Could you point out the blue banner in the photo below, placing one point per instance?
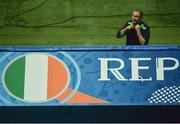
(89, 76)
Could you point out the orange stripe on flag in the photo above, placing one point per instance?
(80, 97)
(57, 77)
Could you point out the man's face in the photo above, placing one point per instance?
(136, 17)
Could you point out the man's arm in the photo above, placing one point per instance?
(124, 30)
(140, 35)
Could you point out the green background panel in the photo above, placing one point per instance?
(84, 22)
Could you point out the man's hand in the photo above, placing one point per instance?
(137, 27)
(129, 27)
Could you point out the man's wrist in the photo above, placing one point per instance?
(138, 33)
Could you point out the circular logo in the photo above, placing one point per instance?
(36, 77)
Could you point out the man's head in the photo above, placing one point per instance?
(137, 16)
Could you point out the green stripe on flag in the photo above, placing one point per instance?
(14, 77)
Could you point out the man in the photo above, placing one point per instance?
(136, 31)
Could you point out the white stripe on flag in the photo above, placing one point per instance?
(36, 74)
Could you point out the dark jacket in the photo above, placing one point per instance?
(132, 38)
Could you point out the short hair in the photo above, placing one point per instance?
(140, 11)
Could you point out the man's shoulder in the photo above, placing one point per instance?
(129, 22)
(143, 24)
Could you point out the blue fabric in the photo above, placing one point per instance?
(85, 48)
(85, 63)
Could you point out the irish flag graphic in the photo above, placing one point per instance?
(36, 77)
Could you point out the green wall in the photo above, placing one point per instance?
(84, 22)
